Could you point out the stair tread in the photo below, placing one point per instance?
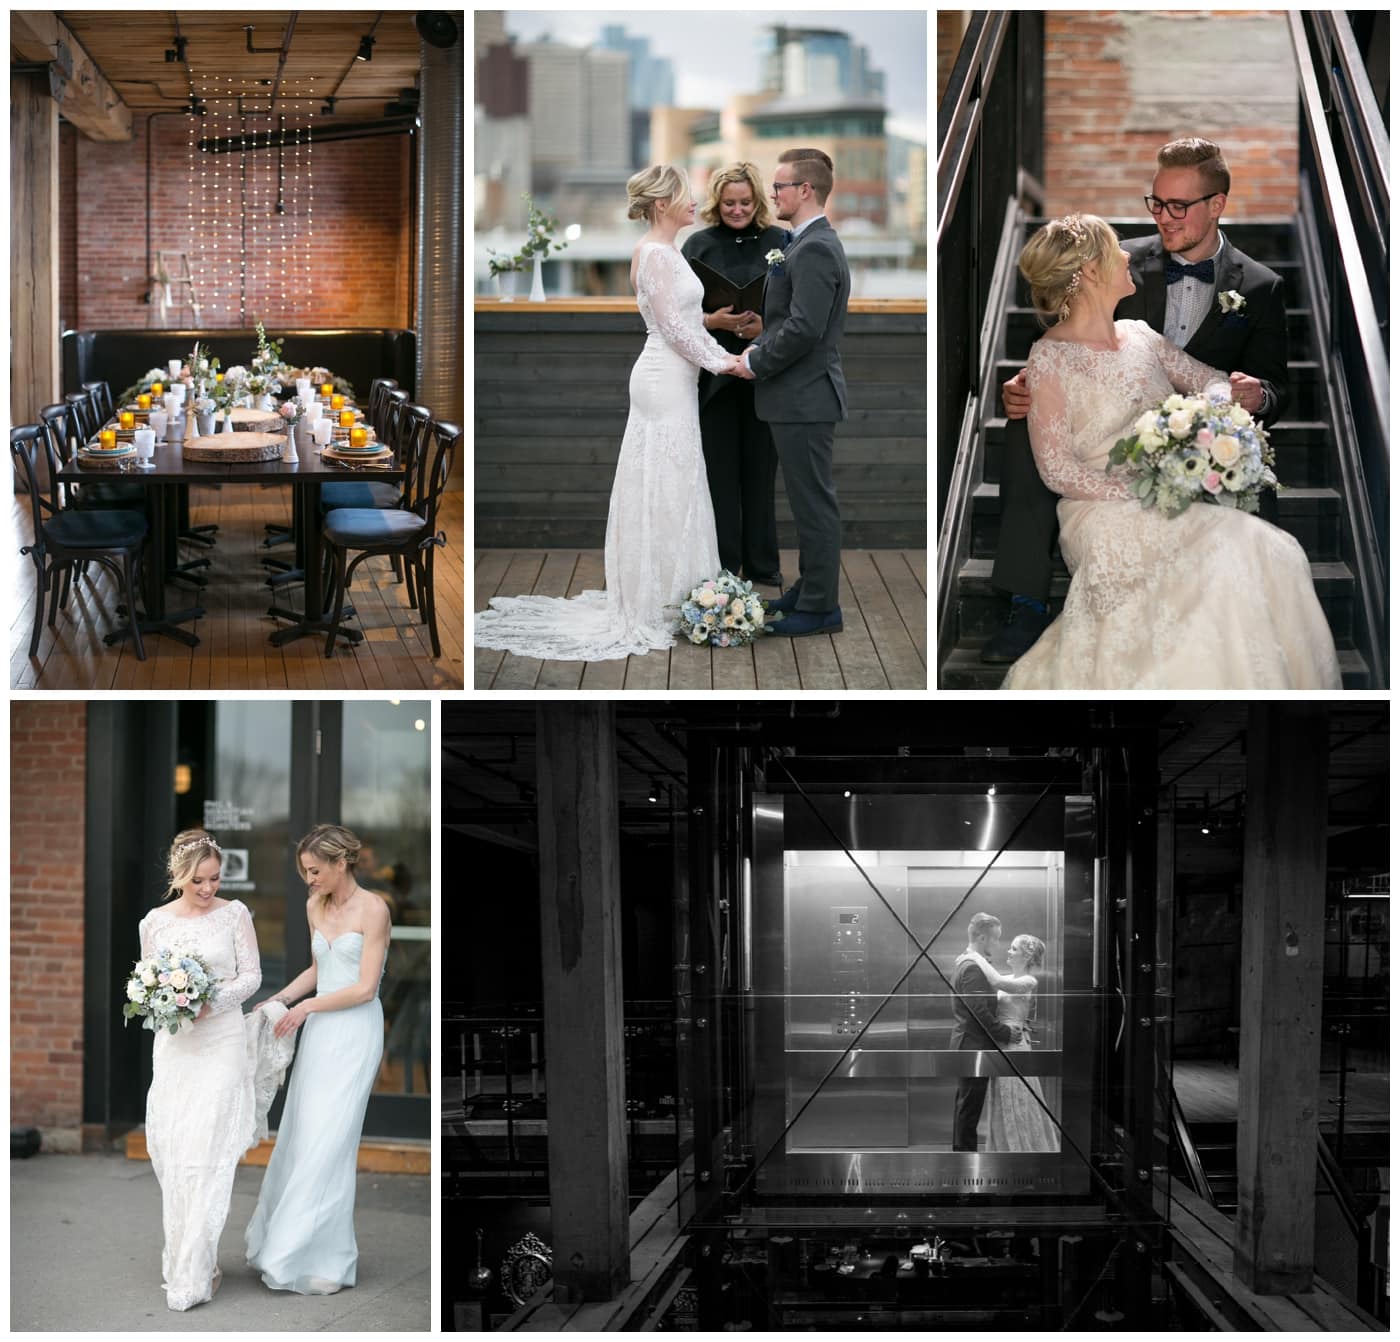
(990, 489)
(978, 572)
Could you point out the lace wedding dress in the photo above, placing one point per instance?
(302, 1235)
(1214, 599)
(661, 525)
(201, 1110)
(1011, 1119)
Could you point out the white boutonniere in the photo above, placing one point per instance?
(775, 257)
(1231, 301)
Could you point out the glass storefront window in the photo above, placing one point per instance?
(386, 800)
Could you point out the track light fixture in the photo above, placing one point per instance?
(177, 56)
(654, 792)
(366, 51)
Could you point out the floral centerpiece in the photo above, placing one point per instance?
(167, 991)
(539, 242)
(724, 612)
(233, 390)
(319, 377)
(1196, 449)
(263, 377)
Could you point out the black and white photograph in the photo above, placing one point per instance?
(841, 1016)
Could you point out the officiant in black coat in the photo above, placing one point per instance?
(740, 459)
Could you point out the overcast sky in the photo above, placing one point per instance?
(712, 50)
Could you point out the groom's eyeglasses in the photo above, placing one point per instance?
(1176, 208)
(782, 186)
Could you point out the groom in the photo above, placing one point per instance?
(801, 390)
(975, 1024)
(1188, 277)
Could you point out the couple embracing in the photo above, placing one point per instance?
(1214, 597)
(661, 540)
(215, 1077)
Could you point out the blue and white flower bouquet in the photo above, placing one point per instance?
(1196, 449)
(167, 991)
(724, 612)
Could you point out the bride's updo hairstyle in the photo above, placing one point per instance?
(1034, 948)
(330, 843)
(1052, 261)
(658, 185)
(187, 850)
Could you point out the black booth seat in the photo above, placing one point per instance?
(123, 357)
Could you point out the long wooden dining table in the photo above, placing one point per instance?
(162, 482)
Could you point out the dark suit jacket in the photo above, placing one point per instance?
(797, 359)
(1253, 341)
(975, 1022)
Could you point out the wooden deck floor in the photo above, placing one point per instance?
(234, 652)
(882, 647)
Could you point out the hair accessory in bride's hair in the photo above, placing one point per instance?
(1070, 291)
(1074, 226)
(208, 841)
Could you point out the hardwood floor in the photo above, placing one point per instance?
(882, 647)
(234, 652)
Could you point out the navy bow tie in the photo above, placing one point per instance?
(1200, 270)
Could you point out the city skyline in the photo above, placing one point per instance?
(714, 53)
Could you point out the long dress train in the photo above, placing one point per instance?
(302, 1235)
(201, 1112)
(1214, 599)
(661, 524)
(1011, 1119)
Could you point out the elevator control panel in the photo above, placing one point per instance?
(850, 936)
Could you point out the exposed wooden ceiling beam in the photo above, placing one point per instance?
(83, 94)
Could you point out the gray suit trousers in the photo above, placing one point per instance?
(805, 452)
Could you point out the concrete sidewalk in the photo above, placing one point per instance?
(85, 1243)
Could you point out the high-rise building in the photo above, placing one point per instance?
(578, 111)
(817, 63)
(651, 83)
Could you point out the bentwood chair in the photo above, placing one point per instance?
(103, 393)
(378, 390)
(409, 533)
(413, 433)
(64, 537)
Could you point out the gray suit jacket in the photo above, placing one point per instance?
(797, 359)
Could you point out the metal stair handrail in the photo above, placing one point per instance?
(961, 122)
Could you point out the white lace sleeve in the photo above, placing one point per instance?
(1185, 373)
(1048, 423)
(680, 322)
(148, 945)
(234, 992)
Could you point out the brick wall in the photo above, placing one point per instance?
(1121, 83)
(355, 272)
(67, 229)
(48, 762)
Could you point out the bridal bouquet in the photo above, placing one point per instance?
(1196, 449)
(167, 991)
(724, 612)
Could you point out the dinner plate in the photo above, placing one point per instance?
(91, 450)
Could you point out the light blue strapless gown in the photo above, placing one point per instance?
(302, 1235)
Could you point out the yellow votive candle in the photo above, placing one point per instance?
(337, 401)
(108, 439)
(144, 400)
(326, 388)
(347, 418)
(157, 388)
(127, 419)
(359, 436)
(218, 377)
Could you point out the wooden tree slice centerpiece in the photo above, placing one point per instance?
(240, 445)
(256, 421)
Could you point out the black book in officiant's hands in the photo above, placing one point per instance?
(722, 292)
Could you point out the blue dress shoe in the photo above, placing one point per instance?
(1023, 626)
(801, 623)
(785, 604)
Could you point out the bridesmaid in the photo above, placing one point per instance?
(302, 1235)
(739, 453)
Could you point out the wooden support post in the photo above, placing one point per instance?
(581, 945)
(1285, 871)
(34, 345)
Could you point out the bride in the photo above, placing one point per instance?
(661, 526)
(1213, 599)
(302, 1235)
(201, 1114)
(1011, 1118)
